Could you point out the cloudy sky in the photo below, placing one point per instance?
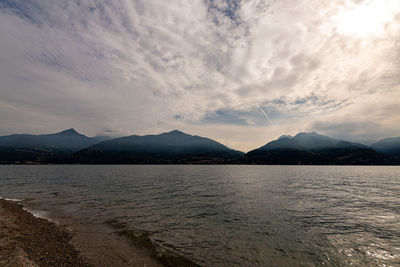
(241, 72)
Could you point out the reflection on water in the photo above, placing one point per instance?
(233, 215)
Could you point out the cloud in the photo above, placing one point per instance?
(368, 119)
(143, 66)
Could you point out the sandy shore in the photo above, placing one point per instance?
(29, 241)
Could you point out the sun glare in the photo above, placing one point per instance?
(366, 19)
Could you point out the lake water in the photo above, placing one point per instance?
(233, 215)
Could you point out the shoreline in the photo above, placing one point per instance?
(30, 240)
(26, 240)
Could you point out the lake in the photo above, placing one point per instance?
(232, 215)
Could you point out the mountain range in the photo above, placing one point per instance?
(166, 148)
(389, 146)
(176, 147)
(45, 148)
(315, 149)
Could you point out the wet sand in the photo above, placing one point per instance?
(29, 241)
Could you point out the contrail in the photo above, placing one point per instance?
(266, 116)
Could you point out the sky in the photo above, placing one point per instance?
(240, 72)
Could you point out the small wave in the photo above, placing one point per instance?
(40, 214)
(36, 213)
(12, 199)
(143, 239)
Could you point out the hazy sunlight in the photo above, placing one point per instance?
(366, 19)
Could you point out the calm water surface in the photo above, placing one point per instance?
(233, 215)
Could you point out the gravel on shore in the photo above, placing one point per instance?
(26, 240)
(29, 241)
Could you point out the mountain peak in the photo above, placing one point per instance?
(307, 134)
(70, 131)
(302, 141)
(176, 132)
(285, 136)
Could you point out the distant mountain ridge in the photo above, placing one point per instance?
(170, 147)
(176, 147)
(308, 141)
(389, 146)
(67, 141)
(316, 149)
(44, 148)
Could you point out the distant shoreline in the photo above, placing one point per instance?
(185, 164)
